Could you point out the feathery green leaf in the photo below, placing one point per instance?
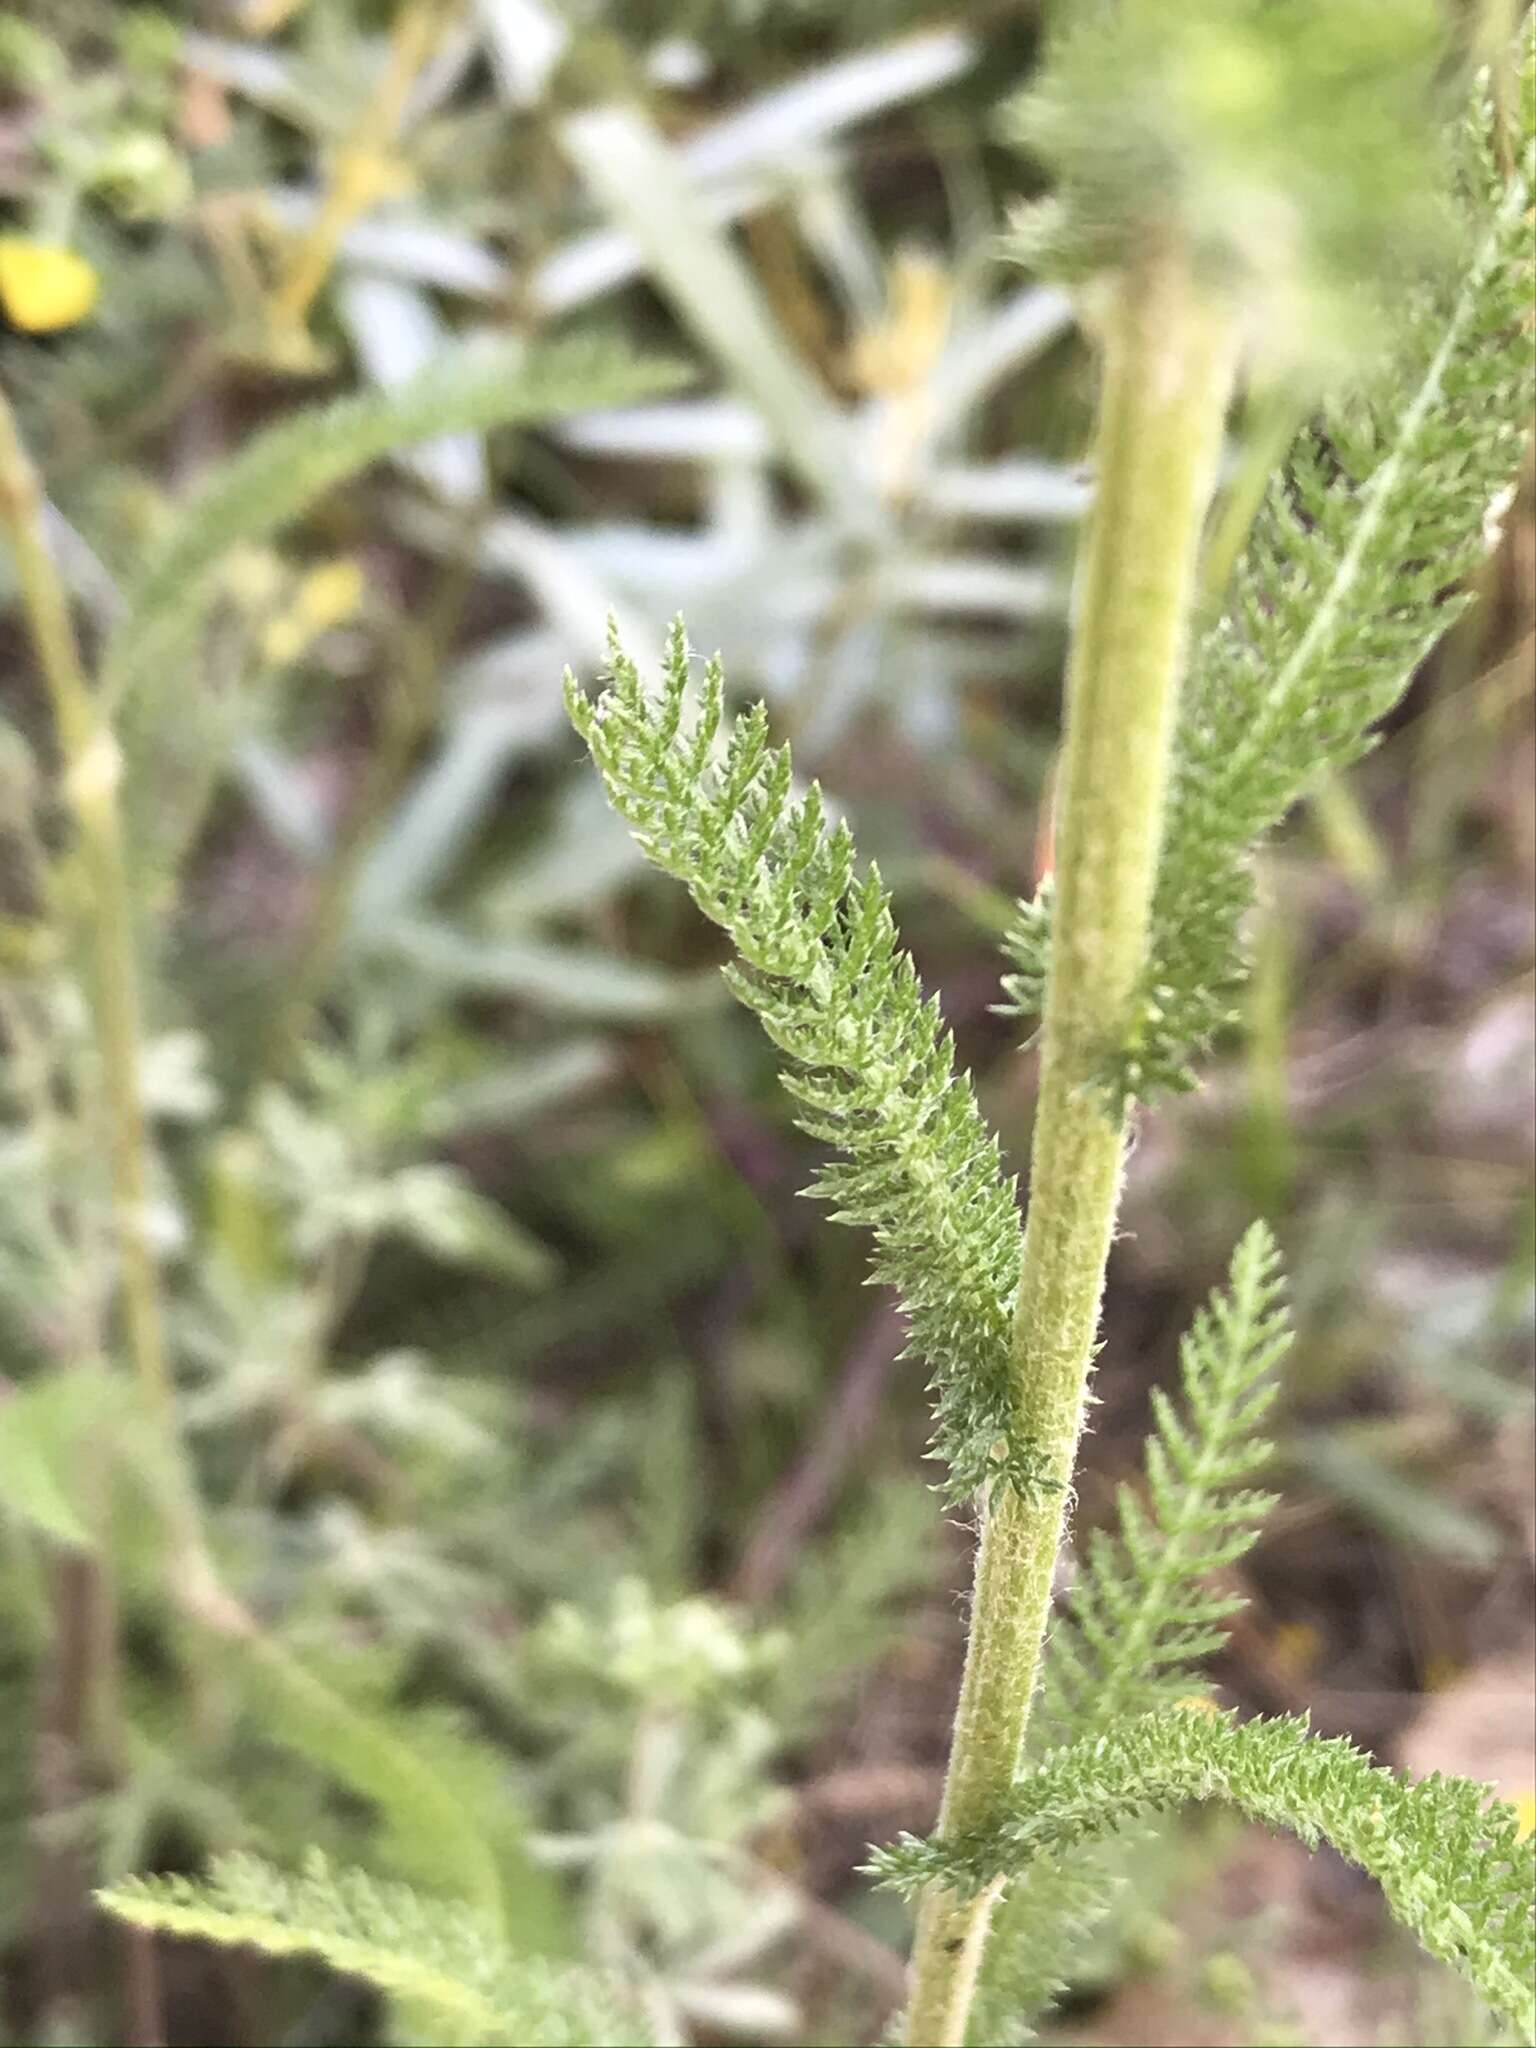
(282, 472)
(1445, 1853)
(1143, 1613)
(1336, 601)
(451, 1979)
(872, 1064)
(433, 1835)
(1041, 1927)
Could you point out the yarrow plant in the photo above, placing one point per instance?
(1223, 173)
(1175, 762)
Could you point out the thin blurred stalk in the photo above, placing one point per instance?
(91, 763)
(92, 767)
(1276, 419)
(1348, 836)
(355, 172)
(1449, 750)
(85, 1638)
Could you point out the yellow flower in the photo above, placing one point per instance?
(362, 177)
(897, 355)
(1525, 1814)
(330, 594)
(44, 287)
(324, 598)
(284, 640)
(1195, 1704)
(1297, 1648)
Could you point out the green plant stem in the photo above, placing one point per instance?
(1276, 423)
(92, 766)
(1168, 366)
(91, 770)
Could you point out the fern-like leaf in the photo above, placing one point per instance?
(1337, 600)
(474, 386)
(450, 1980)
(1046, 1922)
(1143, 1612)
(872, 1064)
(1447, 1856)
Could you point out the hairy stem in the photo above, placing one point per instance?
(1168, 362)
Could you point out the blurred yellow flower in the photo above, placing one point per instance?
(1440, 1672)
(1297, 1647)
(365, 176)
(43, 286)
(326, 597)
(1194, 1703)
(897, 354)
(284, 640)
(265, 17)
(331, 593)
(1525, 1814)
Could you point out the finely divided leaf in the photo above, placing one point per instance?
(1143, 1612)
(283, 471)
(1339, 597)
(872, 1065)
(453, 1982)
(1446, 1854)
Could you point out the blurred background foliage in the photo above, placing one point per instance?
(532, 1408)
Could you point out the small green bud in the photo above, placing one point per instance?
(1152, 1942)
(141, 177)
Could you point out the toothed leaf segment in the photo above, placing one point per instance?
(1388, 501)
(1146, 1609)
(871, 1063)
(1447, 1856)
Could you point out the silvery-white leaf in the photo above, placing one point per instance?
(525, 40)
(988, 350)
(973, 583)
(638, 178)
(689, 429)
(751, 2010)
(396, 332)
(825, 100)
(1020, 490)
